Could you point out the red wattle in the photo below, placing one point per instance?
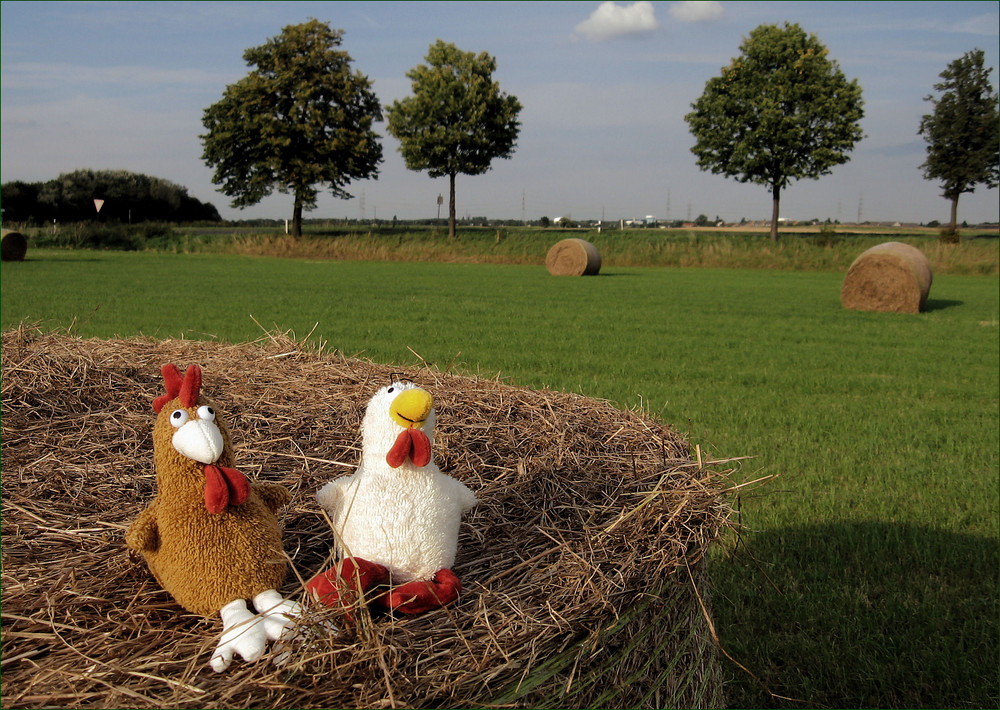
(238, 484)
(216, 490)
(222, 486)
(411, 443)
(420, 453)
(400, 450)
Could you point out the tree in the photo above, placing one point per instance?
(962, 133)
(128, 198)
(457, 120)
(299, 119)
(781, 111)
(20, 201)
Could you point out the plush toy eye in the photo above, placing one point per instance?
(179, 418)
(206, 413)
(391, 390)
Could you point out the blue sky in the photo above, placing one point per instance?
(605, 87)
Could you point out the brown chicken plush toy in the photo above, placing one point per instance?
(211, 537)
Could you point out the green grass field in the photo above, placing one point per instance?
(868, 574)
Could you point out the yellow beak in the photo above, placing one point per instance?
(411, 408)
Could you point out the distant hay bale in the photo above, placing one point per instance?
(892, 277)
(13, 245)
(583, 566)
(573, 257)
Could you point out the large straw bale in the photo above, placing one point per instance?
(13, 245)
(892, 277)
(573, 257)
(583, 565)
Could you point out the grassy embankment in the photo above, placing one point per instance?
(868, 575)
(804, 249)
(827, 248)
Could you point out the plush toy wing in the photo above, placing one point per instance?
(273, 495)
(143, 535)
(461, 492)
(331, 496)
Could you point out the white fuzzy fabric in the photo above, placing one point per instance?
(404, 518)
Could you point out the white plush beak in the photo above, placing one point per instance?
(199, 440)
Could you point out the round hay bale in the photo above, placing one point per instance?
(892, 277)
(573, 257)
(583, 567)
(13, 246)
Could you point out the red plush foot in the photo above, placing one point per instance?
(424, 595)
(352, 574)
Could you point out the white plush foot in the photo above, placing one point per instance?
(279, 614)
(242, 633)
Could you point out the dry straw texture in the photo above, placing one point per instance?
(573, 257)
(892, 277)
(13, 245)
(583, 565)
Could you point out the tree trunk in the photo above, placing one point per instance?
(451, 206)
(954, 213)
(776, 193)
(297, 218)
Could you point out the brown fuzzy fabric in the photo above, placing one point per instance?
(207, 560)
(583, 565)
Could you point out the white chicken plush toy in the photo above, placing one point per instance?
(396, 519)
(211, 537)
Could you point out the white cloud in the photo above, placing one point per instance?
(696, 11)
(612, 20)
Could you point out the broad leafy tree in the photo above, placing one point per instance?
(781, 111)
(963, 132)
(457, 120)
(127, 198)
(301, 118)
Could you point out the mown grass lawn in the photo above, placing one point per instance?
(868, 573)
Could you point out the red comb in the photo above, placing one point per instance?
(187, 387)
(191, 387)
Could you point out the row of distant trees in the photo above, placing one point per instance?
(122, 196)
(303, 118)
(780, 111)
(783, 111)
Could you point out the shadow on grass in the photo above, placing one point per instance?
(860, 615)
(939, 304)
(48, 259)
